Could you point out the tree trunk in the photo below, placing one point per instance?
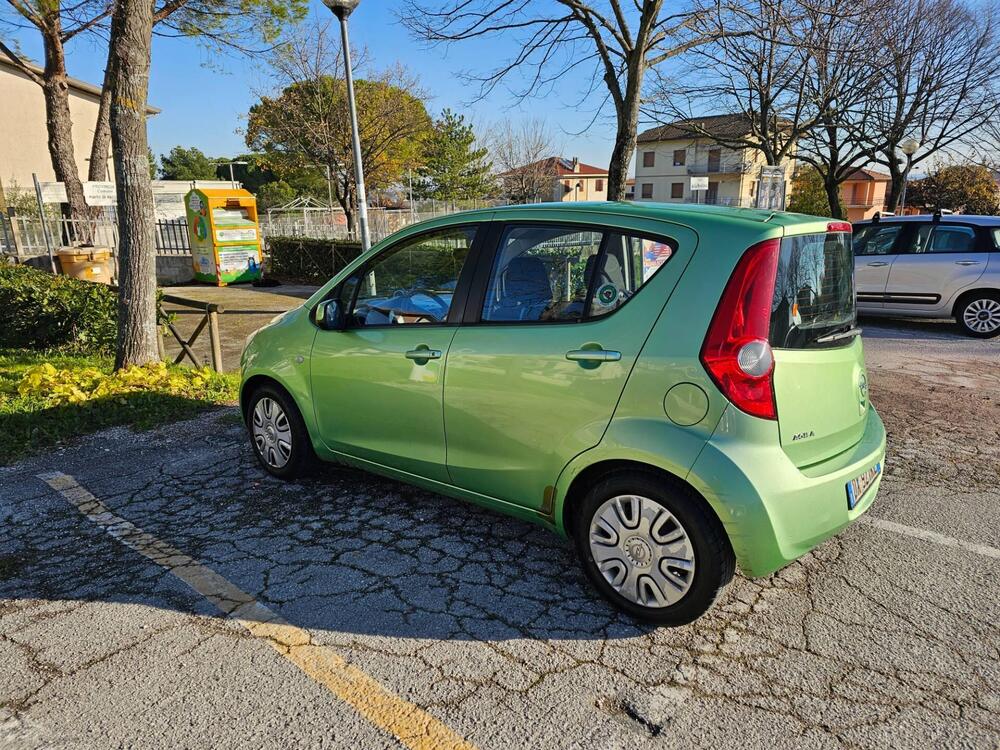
(101, 145)
(59, 123)
(833, 196)
(130, 47)
(895, 185)
(625, 134)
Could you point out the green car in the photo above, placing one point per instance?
(677, 388)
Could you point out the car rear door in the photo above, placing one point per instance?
(875, 247)
(553, 327)
(936, 261)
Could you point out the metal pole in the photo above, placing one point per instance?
(906, 179)
(232, 178)
(41, 216)
(359, 172)
(329, 189)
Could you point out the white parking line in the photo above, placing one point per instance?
(931, 536)
(407, 722)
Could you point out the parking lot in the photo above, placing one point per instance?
(160, 590)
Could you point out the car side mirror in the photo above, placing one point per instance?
(327, 315)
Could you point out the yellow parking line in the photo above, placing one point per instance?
(408, 723)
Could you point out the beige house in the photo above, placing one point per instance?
(23, 138)
(556, 178)
(669, 157)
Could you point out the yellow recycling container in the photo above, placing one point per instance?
(88, 263)
(224, 235)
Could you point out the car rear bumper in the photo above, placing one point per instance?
(774, 511)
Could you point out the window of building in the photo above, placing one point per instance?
(648, 158)
(647, 190)
(680, 157)
(676, 189)
(599, 185)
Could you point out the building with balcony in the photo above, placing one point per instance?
(863, 193)
(669, 156)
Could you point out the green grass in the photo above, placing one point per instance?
(32, 422)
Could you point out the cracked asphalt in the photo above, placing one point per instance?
(874, 640)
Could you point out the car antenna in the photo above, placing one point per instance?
(877, 217)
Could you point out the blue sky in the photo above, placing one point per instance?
(204, 97)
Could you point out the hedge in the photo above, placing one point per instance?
(306, 259)
(42, 311)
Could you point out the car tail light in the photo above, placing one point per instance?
(736, 352)
(838, 226)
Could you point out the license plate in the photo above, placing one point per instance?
(858, 486)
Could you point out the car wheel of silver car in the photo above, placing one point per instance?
(979, 315)
(277, 432)
(654, 549)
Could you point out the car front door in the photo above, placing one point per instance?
(377, 381)
(936, 261)
(874, 253)
(552, 332)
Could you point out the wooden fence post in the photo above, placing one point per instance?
(213, 336)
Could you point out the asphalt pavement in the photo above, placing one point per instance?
(159, 590)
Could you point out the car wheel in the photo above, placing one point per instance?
(654, 550)
(979, 315)
(278, 434)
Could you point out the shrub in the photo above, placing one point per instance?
(42, 311)
(307, 259)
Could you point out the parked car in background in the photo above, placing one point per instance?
(931, 266)
(677, 388)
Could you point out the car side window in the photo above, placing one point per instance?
(876, 240)
(412, 282)
(942, 238)
(626, 264)
(563, 274)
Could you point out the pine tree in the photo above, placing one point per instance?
(453, 168)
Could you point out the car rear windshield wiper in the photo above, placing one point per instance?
(837, 335)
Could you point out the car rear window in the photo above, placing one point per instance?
(813, 290)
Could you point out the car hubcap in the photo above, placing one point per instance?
(982, 315)
(642, 551)
(271, 433)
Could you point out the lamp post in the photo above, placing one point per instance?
(232, 177)
(909, 148)
(342, 9)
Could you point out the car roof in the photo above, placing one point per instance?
(681, 213)
(983, 221)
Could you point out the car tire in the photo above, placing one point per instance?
(278, 435)
(979, 315)
(652, 548)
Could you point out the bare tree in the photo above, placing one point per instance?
(936, 81)
(524, 156)
(754, 69)
(839, 85)
(131, 47)
(555, 37)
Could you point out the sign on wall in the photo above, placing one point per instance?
(699, 183)
(100, 193)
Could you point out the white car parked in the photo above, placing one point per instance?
(931, 267)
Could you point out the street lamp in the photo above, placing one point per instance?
(232, 178)
(909, 147)
(342, 9)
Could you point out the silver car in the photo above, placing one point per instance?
(931, 267)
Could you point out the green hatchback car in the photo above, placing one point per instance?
(677, 388)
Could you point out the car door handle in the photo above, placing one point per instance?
(593, 355)
(966, 262)
(423, 354)
(878, 264)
